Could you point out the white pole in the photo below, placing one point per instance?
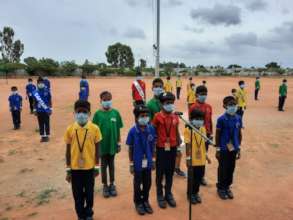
(157, 70)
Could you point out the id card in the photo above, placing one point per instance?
(167, 145)
(198, 155)
(81, 162)
(144, 163)
(230, 146)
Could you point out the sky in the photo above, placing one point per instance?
(207, 32)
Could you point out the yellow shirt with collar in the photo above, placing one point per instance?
(241, 98)
(178, 83)
(168, 86)
(191, 96)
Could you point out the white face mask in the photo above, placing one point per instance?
(139, 78)
(14, 92)
(242, 86)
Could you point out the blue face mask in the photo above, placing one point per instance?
(158, 91)
(41, 85)
(197, 123)
(231, 109)
(202, 98)
(81, 118)
(242, 86)
(143, 121)
(169, 107)
(107, 104)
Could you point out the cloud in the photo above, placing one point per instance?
(136, 3)
(218, 15)
(242, 39)
(256, 5)
(193, 29)
(174, 3)
(135, 33)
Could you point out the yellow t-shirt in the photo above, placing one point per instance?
(89, 150)
(198, 146)
(191, 97)
(178, 83)
(168, 86)
(188, 87)
(241, 97)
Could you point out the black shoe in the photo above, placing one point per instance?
(222, 194)
(81, 219)
(43, 139)
(170, 200)
(89, 218)
(106, 193)
(193, 199)
(140, 209)
(198, 198)
(161, 202)
(180, 172)
(147, 207)
(230, 194)
(203, 182)
(112, 190)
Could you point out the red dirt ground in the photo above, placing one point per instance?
(263, 178)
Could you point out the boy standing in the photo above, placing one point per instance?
(178, 86)
(201, 96)
(282, 94)
(15, 105)
(109, 121)
(228, 141)
(30, 88)
(47, 83)
(191, 96)
(167, 128)
(154, 105)
(241, 98)
(138, 90)
(84, 88)
(189, 84)
(257, 88)
(82, 159)
(168, 87)
(43, 108)
(141, 140)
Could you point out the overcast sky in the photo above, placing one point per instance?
(209, 32)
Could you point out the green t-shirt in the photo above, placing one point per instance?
(154, 107)
(257, 84)
(283, 90)
(110, 123)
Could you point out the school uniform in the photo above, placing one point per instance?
(168, 87)
(142, 143)
(166, 150)
(198, 162)
(30, 88)
(15, 105)
(154, 107)
(241, 99)
(229, 144)
(110, 123)
(84, 85)
(191, 98)
(282, 96)
(83, 95)
(43, 108)
(178, 88)
(257, 88)
(47, 84)
(83, 141)
(138, 88)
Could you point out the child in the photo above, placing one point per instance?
(204, 83)
(241, 98)
(168, 85)
(154, 105)
(189, 84)
(167, 128)
(178, 86)
(195, 155)
(82, 159)
(257, 88)
(109, 121)
(282, 94)
(84, 90)
(234, 94)
(83, 95)
(43, 108)
(138, 90)
(47, 83)
(228, 141)
(201, 96)
(15, 105)
(30, 88)
(191, 96)
(141, 140)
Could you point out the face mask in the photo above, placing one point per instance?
(197, 123)
(193, 88)
(234, 94)
(107, 104)
(169, 107)
(143, 120)
(30, 83)
(139, 78)
(41, 85)
(14, 93)
(157, 91)
(242, 86)
(231, 110)
(81, 118)
(202, 98)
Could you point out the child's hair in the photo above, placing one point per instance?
(158, 80)
(13, 88)
(30, 79)
(139, 109)
(284, 80)
(168, 77)
(105, 93)
(201, 89)
(166, 96)
(83, 76)
(233, 90)
(190, 78)
(257, 77)
(138, 73)
(40, 79)
(196, 113)
(204, 82)
(227, 99)
(192, 84)
(82, 104)
(241, 82)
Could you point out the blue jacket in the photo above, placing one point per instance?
(47, 84)
(83, 95)
(43, 100)
(15, 102)
(84, 84)
(30, 88)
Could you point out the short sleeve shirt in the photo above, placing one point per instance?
(154, 107)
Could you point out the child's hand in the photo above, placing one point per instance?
(154, 165)
(131, 169)
(208, 160)
(68, 177)
(188, 163)
(218, 155)
(118, 148)
(238, 155)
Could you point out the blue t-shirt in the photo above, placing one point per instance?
(83, 95)
(29, 89)
(47, 84)
(142, 144)
(84, 84)
(43, 105)
(15, 102)
(230, 127)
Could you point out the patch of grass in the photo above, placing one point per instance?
(4, 218)
(8, 208)
(21, 194)
(26, 170)
(274, 145)
(12, 152)
(32, 214)
(44, 196)
(37, 130)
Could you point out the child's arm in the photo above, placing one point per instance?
(179, 141)
(130, 156)
(68, 162)
(218, 134)
(208, 159)
(188, 154)
(97, 157)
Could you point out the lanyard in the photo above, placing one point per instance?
(81, 146)
(168, 131)
(198, 145)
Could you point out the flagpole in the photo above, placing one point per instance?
(157, 70)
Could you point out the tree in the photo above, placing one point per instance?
(234, 66)
(11, 50)
(120, 55)
(143, 63)
(88, 68)
(32, 65)
(273, 65)
(68, 67)
(182, 65)
(48, 66)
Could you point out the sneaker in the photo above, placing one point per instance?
(147, 207)
(89, 218)
(43, 139)
(140, 209)
(229, 194)
(203, 182)
(161, 202)
(193, 199)
(180, 172)
(198, 198)
(112, 190)
(170, 200)
(222, 194)
(106, 192)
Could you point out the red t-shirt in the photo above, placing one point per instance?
(166, 126)
(135, 94)
(207, 110)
